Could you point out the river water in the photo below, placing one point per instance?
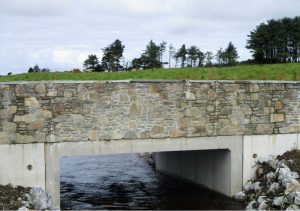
(126, 182)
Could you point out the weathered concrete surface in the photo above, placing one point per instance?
(47, 112)
(217, 165)
(256, 147)
(22, 165)
(211, 168)
(233, 165)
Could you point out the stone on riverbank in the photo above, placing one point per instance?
(20, 198)
(276, 185)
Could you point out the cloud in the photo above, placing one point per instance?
(71, 57)
(59, 34)
(33, 8)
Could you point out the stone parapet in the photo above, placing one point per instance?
(73, 111)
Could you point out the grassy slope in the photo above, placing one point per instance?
(244, 72)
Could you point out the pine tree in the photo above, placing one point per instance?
(231, 54)
(92, 62)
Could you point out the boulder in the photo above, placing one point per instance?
(250, 205)
(240, 196)
(278, 201)
(39, 199)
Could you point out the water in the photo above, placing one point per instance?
(128, 182)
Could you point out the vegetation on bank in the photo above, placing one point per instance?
(290, 72)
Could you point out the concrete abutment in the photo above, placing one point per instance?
(222, 164)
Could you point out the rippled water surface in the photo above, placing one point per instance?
(128, 182)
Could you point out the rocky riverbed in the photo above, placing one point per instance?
(20, 198)
(276, 185)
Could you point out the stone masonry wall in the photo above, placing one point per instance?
(97, 110)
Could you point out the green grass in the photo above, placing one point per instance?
(289, 72)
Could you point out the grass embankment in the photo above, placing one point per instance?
(290, 72)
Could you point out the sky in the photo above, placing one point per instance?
(59, 34)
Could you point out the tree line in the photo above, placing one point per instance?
(153, 57)
(37, 69)
(277, 41)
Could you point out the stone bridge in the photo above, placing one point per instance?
(210, 132)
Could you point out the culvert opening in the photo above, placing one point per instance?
(127, 181)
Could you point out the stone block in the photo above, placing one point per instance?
(124, 98)
(50, 138)
(264, 129)
(154, 88)
(93, 95)
(210, 108)
(260, 119)
(254, 88)
(242, 96)
(190, 96)
(132, 124)
(244, 110)
(135, 110)
(183, 123)
(33, 117)
(117, 135)
(40, 137)
(157, 112)
(32, 102)
(131, 134)
(175, 133)
(58, 108)
(20, 90)
(52, 93)
(67, 94)
(24, 139)
(157, 132)
(225, 111)
(276, 87)
(84, 96)
(277, 118)
(175, 87)
(192, 112)
(294, 128)
(12, 109)
(92, 135)
(47, 115)
(36, 126)
(225, 131)
(9, 126)
(4, 138)
(199, 128)
(279, 105)
(98, 86)
(212, 95)
(40, 89)
(183, 105)
(254, 96)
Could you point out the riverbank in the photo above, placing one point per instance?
(21, 198)
(12, 198)
(277, 184)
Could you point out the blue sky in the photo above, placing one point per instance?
(59, 34)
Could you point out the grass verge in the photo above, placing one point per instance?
(289, 72)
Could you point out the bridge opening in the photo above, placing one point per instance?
(127, 181)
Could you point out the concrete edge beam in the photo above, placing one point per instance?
(152, 81)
